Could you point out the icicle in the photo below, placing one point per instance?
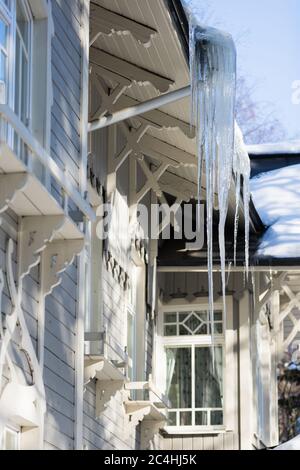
(241, 169)
(213, 80)
(213, 65)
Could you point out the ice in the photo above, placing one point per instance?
(213, 79)
(241, 169)
(220, 148)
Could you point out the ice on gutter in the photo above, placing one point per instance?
(213, 82)
(276, 196)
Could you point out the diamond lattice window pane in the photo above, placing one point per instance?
(192, 322)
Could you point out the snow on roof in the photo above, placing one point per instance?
(276, 196)
(293, 444)
(290, 147)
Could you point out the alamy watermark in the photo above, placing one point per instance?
(187, 223)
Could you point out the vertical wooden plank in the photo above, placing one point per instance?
(197, 443)
(218, 442)
(177, 443)
(208, 443)
(245, 373)
(166, 443)
(187, 443)
(231, 373)
(229, 441)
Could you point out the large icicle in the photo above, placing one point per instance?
(213, 77)
(241, 169)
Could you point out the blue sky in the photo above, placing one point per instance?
(267, 35)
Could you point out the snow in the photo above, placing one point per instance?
(293, 444)
(290, 147)
(276, 196)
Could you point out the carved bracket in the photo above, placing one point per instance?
(107, 22)
(105, 391)
(150, 428)
(35, 233)
(57, 256)
(10, 185)
(26, 403)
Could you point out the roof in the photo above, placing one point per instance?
(276, 196)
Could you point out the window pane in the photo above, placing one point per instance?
(172, 418)
(170, 317)
(208, 380)
(24, 102)
(22, 23)
(185, 418)
(183, 330)
(183, 315)
(216, 418)
(192, 323)
(170, 330)
(218, 316)
(178, 384)
(218, 328)
(201, 418)
(3, 34)
(2, 67)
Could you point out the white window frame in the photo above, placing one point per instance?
(16, 430)
(131, 311)
(229, 360)
(8, 16)
(136, 306)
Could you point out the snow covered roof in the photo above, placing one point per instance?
(276, 197)
(282, 148)
(293, 444)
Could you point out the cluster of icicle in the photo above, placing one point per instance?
(213, 82)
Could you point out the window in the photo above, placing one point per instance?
(25, 54)
(5, 27)
(11, 439)
(23, 61)
(194, 370)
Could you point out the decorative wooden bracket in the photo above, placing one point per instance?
(149, 428)
(25, 403)
(35, 233)
(105, 391)
(106, 22)
(57, 256)
(130, 71)
(10, 185)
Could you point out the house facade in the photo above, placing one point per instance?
(105, 336)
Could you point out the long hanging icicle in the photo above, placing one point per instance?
(213, 83)
(241, 169)
(213, 66)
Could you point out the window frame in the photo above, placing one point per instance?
(200, 304)
(13, 429)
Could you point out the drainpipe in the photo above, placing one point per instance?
(140, 108)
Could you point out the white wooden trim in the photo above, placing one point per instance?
(79, 357)
(245, 374)
(43, 156)
(84, 111)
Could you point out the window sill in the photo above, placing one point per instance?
(195, 430)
